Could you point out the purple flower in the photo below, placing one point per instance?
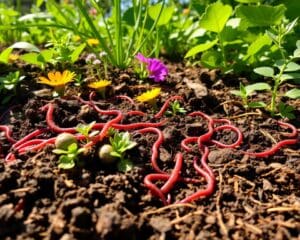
(157, 70)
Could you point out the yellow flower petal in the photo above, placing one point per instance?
(57, 79)
(149, 95)
(99, 84)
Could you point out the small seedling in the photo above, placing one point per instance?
(8, 85)
(176, 109)
(85, 129)
(120, 143)
(246, 91)
(69, 157)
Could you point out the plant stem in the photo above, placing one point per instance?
(118, 33)
(222, 50)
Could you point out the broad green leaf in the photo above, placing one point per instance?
(265, 71)
(260, 16)
(290, 76)
(65, 162)
(258, 45)
(201, 48)
(289, 27)
(4, 55)
(298, 44)
(31, 58)
(165, 16)
(215, 17)
(257, 87)
(211, 59)
(76, 53)
(292, 67)
(248, 1)
(257, 105)
(39, 3)
(47, 55)
(293, 93)
(297, 53)
(237, 93)
(26, 46)
(286, 111)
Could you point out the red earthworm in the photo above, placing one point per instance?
(273, 149)
(204, 161)
(29, 143)
(203, 192)
(148, 181)
(155, 146)
(28, 137)
(294, 132)
(184, 143)
(49, 119)
(10, 157)
(166, 105)
(233, 145)
(129, 99)
(139, 125)
(173, 178)
(37, 146)
(135, 112)
(8, 133)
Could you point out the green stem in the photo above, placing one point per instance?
(222, 50)
(118, 33)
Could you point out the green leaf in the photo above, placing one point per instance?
(260, 16)
(211, 59)
(258, 45)
(257, 87)
(289, 76)
(237, 93)
(286, 111)
(165, 16)
(200, 48)
(39, 3)
(65, 162)
(297, 53)
(215, 17)
(265, 71)
(293, 93)
(125, 165)
(257, 105)
(31, 58)
(4, 56)
(292, 67)
(47, 55)
(76, 53)
(26, 46)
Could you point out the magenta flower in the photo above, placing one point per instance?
(157, 70)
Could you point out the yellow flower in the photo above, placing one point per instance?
(93, 41)
(76, 38)
(99, 84)
(149, 96)
(13, 57)
(57, 79)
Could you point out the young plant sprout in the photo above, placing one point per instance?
(58, 80)
(149, 97)
(119, 143)
(8, 85)
(246, 91)
(85, 129)
(69, 157)
(156, 69)
(100, 86)
(175, 109)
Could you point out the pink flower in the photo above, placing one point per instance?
(157, 70)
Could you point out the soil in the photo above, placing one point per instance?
(254, 198)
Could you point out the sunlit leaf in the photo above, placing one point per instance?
(260, 16)
(257, 87)
(26, 46)
(293, 93)
(215, 17)
(265, 71)
(76, 53)
(292, 67)
(201, 48)
(257, 105)
(211, 59)
(4, 55)
(165, 16)
(258, 45)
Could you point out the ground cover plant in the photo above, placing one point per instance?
(149, 119)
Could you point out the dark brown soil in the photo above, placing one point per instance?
(255, 198)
